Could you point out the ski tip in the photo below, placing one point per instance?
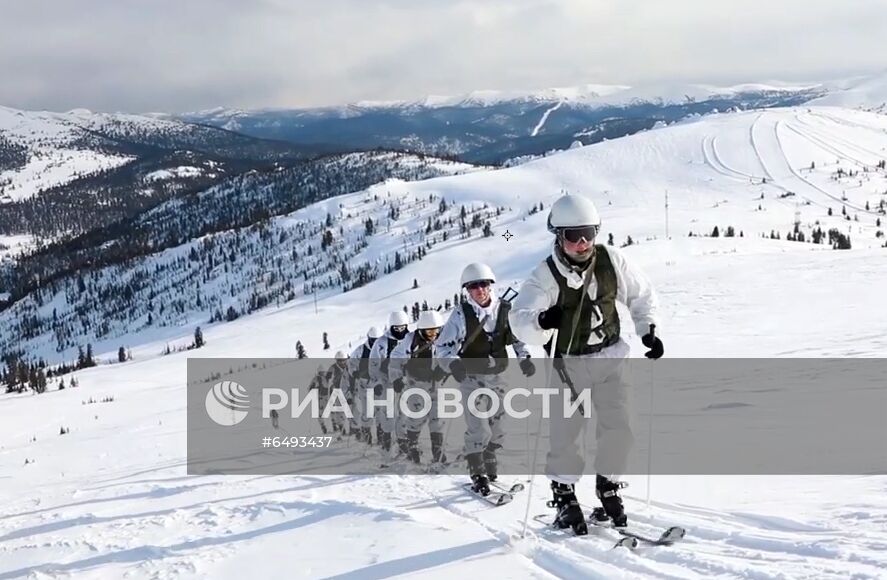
(630, 543)
(673, 534)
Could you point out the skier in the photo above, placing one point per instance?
(360, 377)
(319, 382)
(414, 363)
(473, 343)
(340, 378)
(398, 322)
(574, 292)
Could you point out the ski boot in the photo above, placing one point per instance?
(479, 481)
(437, 448)
(413, 453)
(608, 493)
(403, 447)
(491, 465)
(569, 512)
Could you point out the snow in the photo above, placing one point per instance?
(51, 167)
(11, 246)
(867, 92)
(544, 118)
(588, 94)
(182, 171)
(112, 497)
(55, 154)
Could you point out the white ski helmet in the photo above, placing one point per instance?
(341, 355)
(374, 332)
(476, 272)
(429, 319)
(572, 211)
(398, 318)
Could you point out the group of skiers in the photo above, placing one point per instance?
(567, 305)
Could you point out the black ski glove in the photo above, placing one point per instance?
(527, 367)
(438, 375)
(457, 369)
(398, 385)
(551, 318)
(651, 341)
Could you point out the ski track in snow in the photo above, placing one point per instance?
(544, 118)
(724, 544)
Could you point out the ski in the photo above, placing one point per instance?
(667, 537)
(627, 542)
(494, 498)
(510, 489)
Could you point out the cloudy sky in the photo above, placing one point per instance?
(185, 55)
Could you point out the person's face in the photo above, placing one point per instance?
(430, 334)
(480, 291)
(578, 243)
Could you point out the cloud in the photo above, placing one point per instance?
(146, 55)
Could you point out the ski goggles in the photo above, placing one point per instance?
(478, 284)
(575, 235)
(399, 328)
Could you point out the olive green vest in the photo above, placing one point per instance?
(482, 346)
(606, 330)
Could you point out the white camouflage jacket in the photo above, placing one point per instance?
(453, 334)
(540, 292)
(378, 357)
(402, 354)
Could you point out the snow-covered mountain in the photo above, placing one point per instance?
(494, 126)
(129, 283)
(65, 173)
(111, 497)
(868, 93)
(812, 174)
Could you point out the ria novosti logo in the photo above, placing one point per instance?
(227, 403)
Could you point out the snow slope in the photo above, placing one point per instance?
(53, 155)
(867, 92)
(112, 498)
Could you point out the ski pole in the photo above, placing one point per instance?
(527, 443)
(650, 435)
(538, 434)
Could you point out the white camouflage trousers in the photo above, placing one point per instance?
(415, 403)
(611, 398)
(481, 432)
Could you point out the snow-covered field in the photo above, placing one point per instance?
(112, 498)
